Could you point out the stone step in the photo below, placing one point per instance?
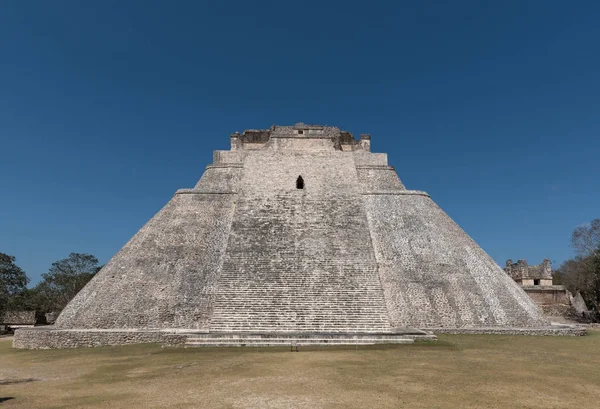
(286, 324)
(297, 320)
(283, 339)
(257, 291)
(290, 323)
(278, 309)
(256, 294)
(252, 328)
(292, 289)
(282, 280)
(270, 343)
(300, 314)
(260, 321)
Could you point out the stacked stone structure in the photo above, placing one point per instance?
(296, 231)
(536, 281)
(11, 320)
(526, 275)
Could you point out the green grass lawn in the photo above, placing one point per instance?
(459, 371)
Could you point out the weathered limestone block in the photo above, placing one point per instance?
(165, 276)
(435, 275)
(47, 338)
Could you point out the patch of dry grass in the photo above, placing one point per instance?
(459, 371)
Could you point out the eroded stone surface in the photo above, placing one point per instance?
(350, 251)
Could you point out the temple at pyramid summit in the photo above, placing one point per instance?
(296, 234)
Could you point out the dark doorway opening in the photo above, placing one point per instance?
(299, 183)
(536, 282)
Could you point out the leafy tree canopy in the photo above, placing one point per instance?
(59, 285)
(64, 280)
(13, 281)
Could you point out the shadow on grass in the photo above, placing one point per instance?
(5, 399)
(15, 381)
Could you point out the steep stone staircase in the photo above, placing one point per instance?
(292, 301)
(299, 265)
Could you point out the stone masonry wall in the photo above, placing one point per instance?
(165, 275)
(40, 338)
(434, 275)
(299, 259)
(18, 317)
(548, 295)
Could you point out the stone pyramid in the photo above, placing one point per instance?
(299, 230)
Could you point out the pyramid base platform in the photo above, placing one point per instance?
(550, 330)
(250, 339)
(49, 338)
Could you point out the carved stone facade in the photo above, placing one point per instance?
(18, 318)
(10, 320)
(536, 281)
(527, 275)
(299, 230)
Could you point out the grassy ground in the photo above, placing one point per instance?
(459, 371)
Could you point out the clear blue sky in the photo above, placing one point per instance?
(108, 107)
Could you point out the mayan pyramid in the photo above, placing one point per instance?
(300, 229)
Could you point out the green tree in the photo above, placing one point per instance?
(582, 273)
(13, 282)
(558, 277)
(593, 291)
(64, 280)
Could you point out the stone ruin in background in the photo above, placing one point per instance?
(536, 281)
